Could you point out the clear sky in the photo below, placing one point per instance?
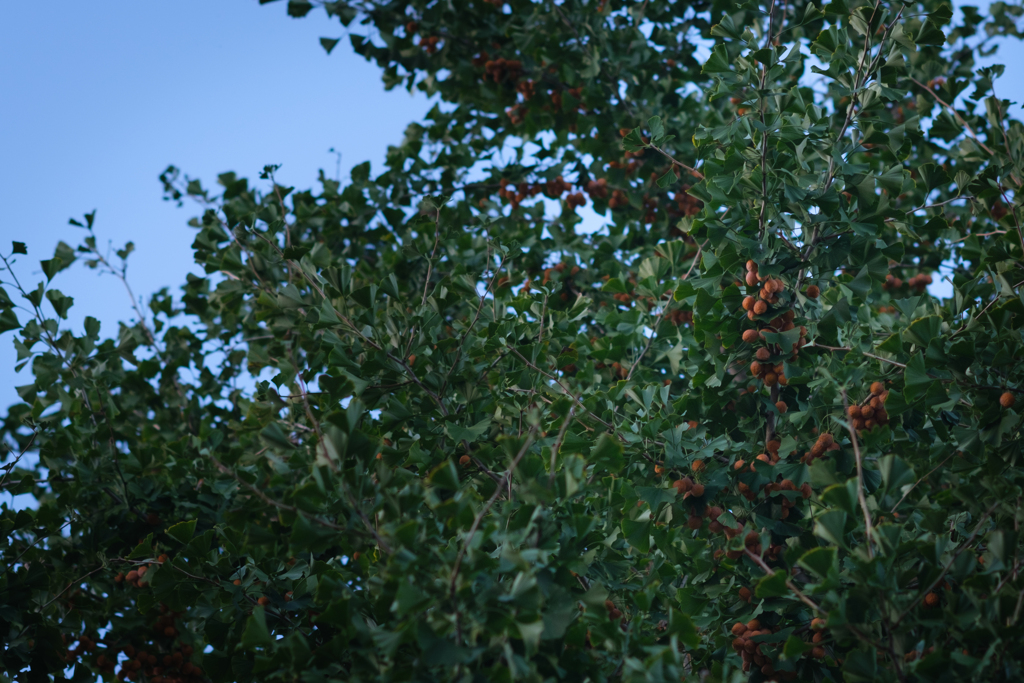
(99, 97)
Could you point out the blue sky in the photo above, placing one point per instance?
(98, 98)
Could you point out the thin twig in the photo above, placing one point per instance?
(430, 261)
(694, 172)
(868, 527)
(789, 583)
(564, 389)
(884, 360)
(10, 467)
(945, 569)
(924, 478)
(956, 115)
(73, 583)
(291, 508)
(661, 316)
(480, 515)
(558, 442)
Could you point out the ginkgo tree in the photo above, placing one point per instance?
(763, 425)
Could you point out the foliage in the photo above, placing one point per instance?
(419, 427)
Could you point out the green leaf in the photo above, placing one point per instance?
(916, 378)
(445, 476)
(256, 634)
(329, 43)
(718, 62)
(923, 330)
(299, 8)
(274, 435)
(838, 495)
(727, 28)
(182, 532)
(408, 598)
(51, 267)
(18, 248)
(637, 534)
(634, 141)
(795, 648)
(143, 549)
(615, 286)
(861, 666)
(820, 560)
(607, 453)
(907, 306)
(681, 626)
(468, 434)
(531, 632)
(61, 304)
(772, 585)
(895, 472)
(832, 527)
(8, 320)
(861, 285)
(309, 537)
(655, 496)
(657, 128)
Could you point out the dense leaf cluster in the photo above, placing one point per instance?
(421, 426)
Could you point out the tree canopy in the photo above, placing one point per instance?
(421, 426)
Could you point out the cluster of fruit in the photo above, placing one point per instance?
(84, 645)
(750, 650)
(173, 667)
(789, 501)
(554, 188)
(823, 444)
(575, 199)
(597, 189)
(919, 282)
(650, 206)
(715, 526)
(136, 577)
(767, 366)
(630, 164)
(818, 626)
(685, 204)
(613, 611)
(770, 457)
(687, 488)
(516, 193)
(556, 97)
(618, 199)
(500, 70)
(526, 88)
(747, 645)
(678, 316)
(751, 544)
(871, 412)
(558, 268)
(429, 43)
(516, 114)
